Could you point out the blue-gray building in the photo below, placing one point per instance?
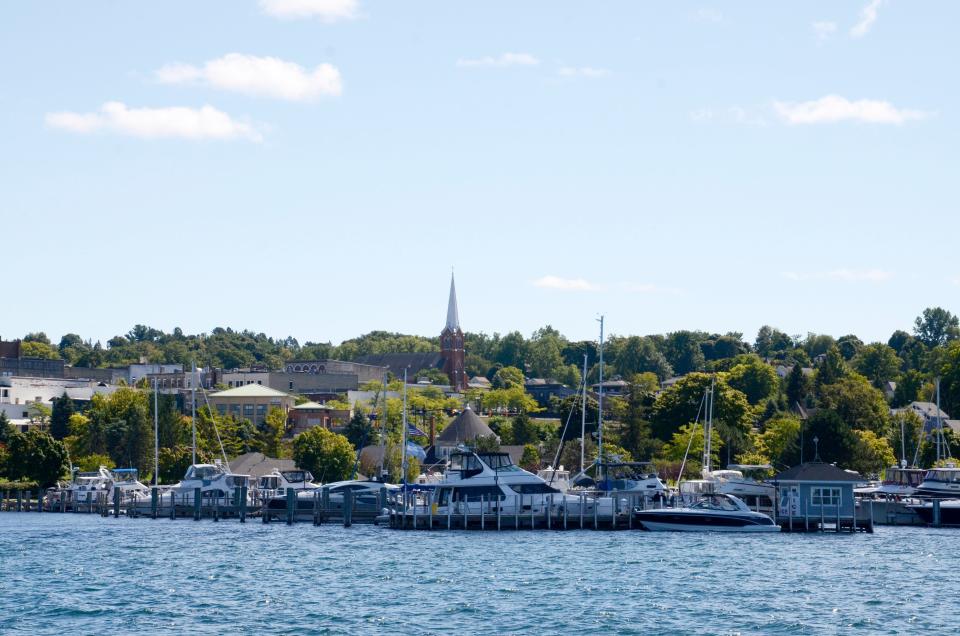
(816, 493)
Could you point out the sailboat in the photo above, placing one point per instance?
(730, 481)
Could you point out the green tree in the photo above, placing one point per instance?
(826, 435)
(859, 404)
(832, 369)
(639, 355)
(678, 405)
(949, 372)
(673, 451)
(38, 350)
(849, 346)
(274, 426)
(936, 326)
(683, 352)
(872, 454)
(359, 431)
(544, 352)
(329, 456)
(60, 416)
(6, 430)
(90, 463)
(797, 386)
(508, 378)
(523, 430)
(771, 341)
(908, 388)
(530, 460)
(754, 378)
(174, 462)
(780, 440)
(36, 456)
(878, 362)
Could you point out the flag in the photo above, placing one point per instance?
(413, 430)
(415, 450)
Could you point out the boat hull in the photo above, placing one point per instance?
(676, 521)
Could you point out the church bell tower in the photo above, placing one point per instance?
(451, 344)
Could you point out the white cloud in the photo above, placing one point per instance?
(504, 59)
(844, 275)
(834, 108)
(325, 10)
(732, 115)
(155, 123)
(868, 15)
(262, 76)
(565, 284)
(582, 285)
(583, 71)
(707, 15)
(824, 30)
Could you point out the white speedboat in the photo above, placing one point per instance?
(713, 513)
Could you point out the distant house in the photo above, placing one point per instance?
(479, 382)
(927, 411)
(783, 371)
(303, 417)
(546, 391)
(251, 402)
(615, 387)
(464, 429)
(889, 389)
(816, 490)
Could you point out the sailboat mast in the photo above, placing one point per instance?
(383, 422)
(193, 408)
(403, 446)
(156, 436)
(583, 413)
(600, 411)
(708, 429)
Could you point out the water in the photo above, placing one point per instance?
(81, 574)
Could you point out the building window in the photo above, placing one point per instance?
(259, 381)
(291, 385)
(222, 408)
(248, 411)
(824, 496)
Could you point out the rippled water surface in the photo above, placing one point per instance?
(82, 574)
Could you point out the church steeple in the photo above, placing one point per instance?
(453, 316)
(451, 343)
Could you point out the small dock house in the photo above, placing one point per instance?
(816, 496)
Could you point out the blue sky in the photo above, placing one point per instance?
(315, 167)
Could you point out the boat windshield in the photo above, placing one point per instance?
(942, 474)
(203, 471)
(714, 503)
(498, 461)
(124, 475)
(296, 476)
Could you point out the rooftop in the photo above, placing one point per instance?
(251, 391)
(817, 472)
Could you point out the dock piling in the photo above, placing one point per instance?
(243, 504)
(347, 508)
(197, 502)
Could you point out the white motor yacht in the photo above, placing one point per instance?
(713, 513)
(556, 477)
(482, 482)
(131, 489)
(97, 484)
(214, 481)
(278, 481)
(940, 483)
(897, 483)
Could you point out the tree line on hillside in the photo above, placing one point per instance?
(838, 382)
